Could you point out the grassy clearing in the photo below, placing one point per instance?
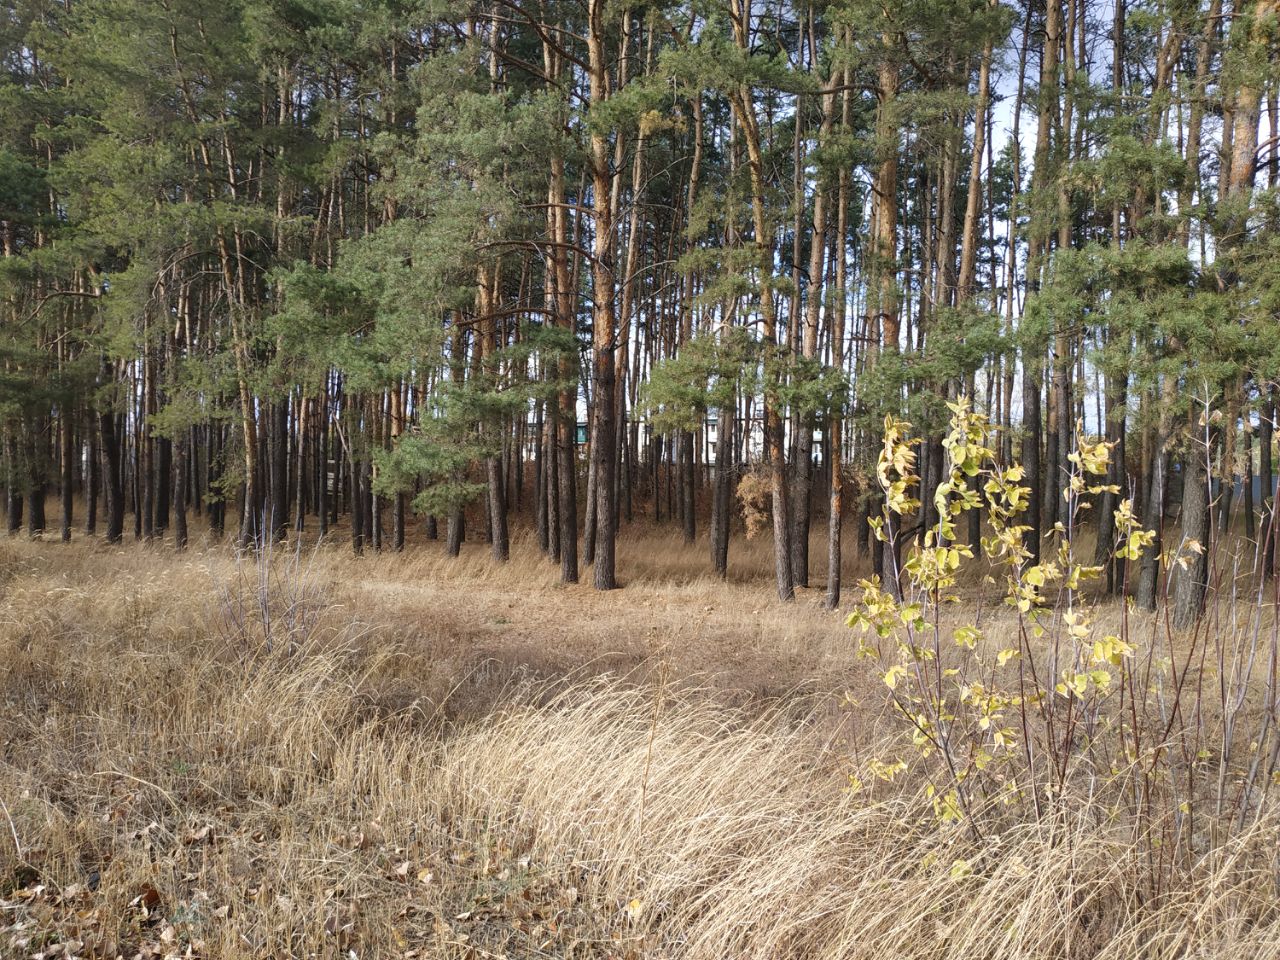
(400, 756)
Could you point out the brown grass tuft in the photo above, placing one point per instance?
(399, 756)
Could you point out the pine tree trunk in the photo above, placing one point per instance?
(1267, 480)
(180, 494)
(323, 460)
(567, 494)
(456, 532)
(688, 495)
(303, 452)
(1153, 504)
(604, 426)
(1189, 585)
(562, 512)
(589, 517)
(164, 483)
(357, 508)
(497, 511)
(722, 501)
(1117, 400)
(372, 505)
(113, 485)
(540, 485)
(835, 428)
(397, 523)
(1031, 449)
(218, 509)
(36, 485)
(1247, 484)
(552, 491)
(93, 478)
(774, 436)
(67, 436)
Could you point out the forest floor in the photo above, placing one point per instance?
(310, 754)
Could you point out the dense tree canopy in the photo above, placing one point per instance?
(587, 264)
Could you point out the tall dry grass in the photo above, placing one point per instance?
(307, 755)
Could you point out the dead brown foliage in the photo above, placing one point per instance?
(312, 755)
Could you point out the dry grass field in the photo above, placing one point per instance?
(312, 755)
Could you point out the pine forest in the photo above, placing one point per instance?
(640, 478)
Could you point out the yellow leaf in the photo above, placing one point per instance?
(893, 674)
